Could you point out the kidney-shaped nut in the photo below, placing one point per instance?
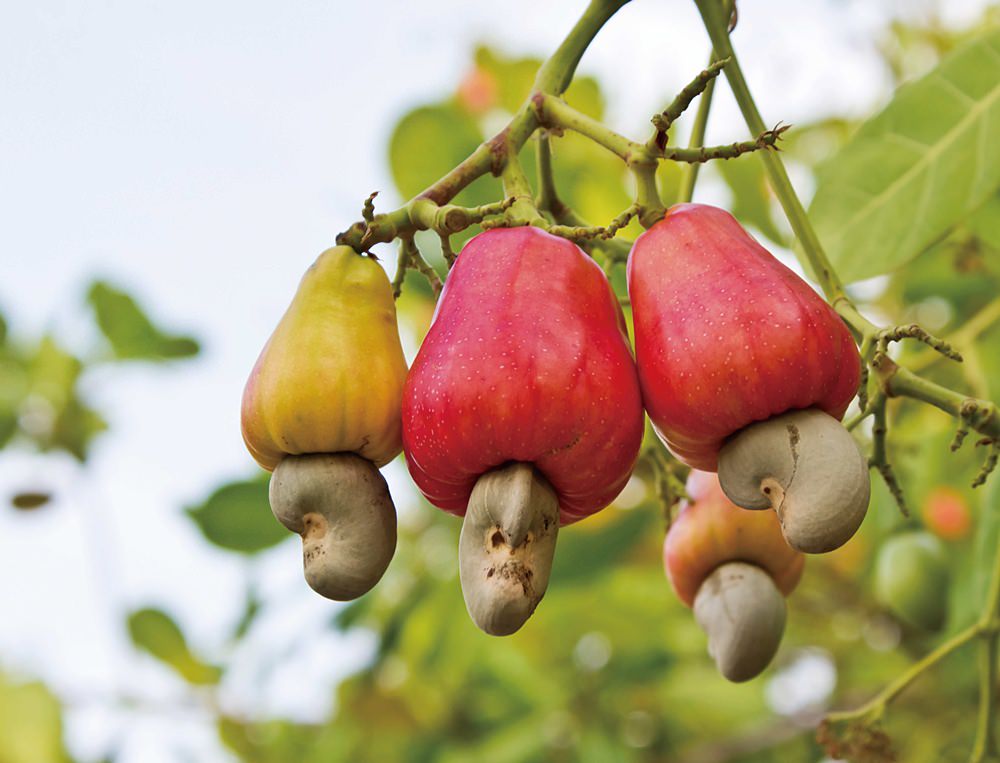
(805, 466)
(743, 613)
(507, 545)
(339, 503)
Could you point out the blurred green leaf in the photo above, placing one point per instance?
(131, 333)
(237, 516)
(514, 78)
(31, 729)
(747, 180)
(985, 223)
(29, 500)
(51, 412)
(583, 555)
(352, 613)
(155, 632)
(428, 142)
(916, 169)
(252, 605)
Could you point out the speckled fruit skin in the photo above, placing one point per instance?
(726, 335)
(710, 531)
(330, 378)
(527, 359)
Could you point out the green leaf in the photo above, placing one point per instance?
(985, 223)
(585, 555)
(916, 169)
(154, 631)
(30, 724)
(237, 516)
(131, 333)
(45, 400)
(516, 76)
(252, 605)
(29, 500)
(747, 180)
(427, 143)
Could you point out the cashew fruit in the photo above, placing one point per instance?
(912, 579)
(728, 340)
(733, 568)
(526, 362)
(710, 530)
(321, 410)
(330, 378)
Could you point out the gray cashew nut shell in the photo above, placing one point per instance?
(339, 503)
(507, 546)
(743, 613)
(807, 467)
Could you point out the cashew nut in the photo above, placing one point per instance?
(743, 613)
(805, 466)
(339, 503)
(507, 545)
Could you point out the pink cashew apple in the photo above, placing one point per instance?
(747, 371)
(521, 412)
(734, 568)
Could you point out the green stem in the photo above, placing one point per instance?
(701, 154)
(554, 112)
(815, 258)
(985, 745)
(548, 196)
(553, 77)
(697, 139)
(876, 705)
(986, 739)
(556, 73)
(517, 187)
(647, 198)
(901, 382)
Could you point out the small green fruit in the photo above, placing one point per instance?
(911, 579)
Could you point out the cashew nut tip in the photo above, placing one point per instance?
(507, 545)
(743, 613)
(807, 467)
(339, 503)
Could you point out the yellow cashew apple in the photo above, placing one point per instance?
(321, 410)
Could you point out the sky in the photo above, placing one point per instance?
(200, 155)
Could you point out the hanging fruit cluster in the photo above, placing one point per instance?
(523, 412)
(524, 409)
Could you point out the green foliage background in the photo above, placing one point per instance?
(612, 666)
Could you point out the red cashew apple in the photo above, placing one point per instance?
(521, 412)
(733, 567)
(747, 371)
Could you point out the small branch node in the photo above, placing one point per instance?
(663, 121)
(913, 331)
(368, 209)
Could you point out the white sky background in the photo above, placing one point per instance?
(201, 155)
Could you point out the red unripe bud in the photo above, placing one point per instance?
(947, 514)
(711, 531)
(725, 335)
(527, 360)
